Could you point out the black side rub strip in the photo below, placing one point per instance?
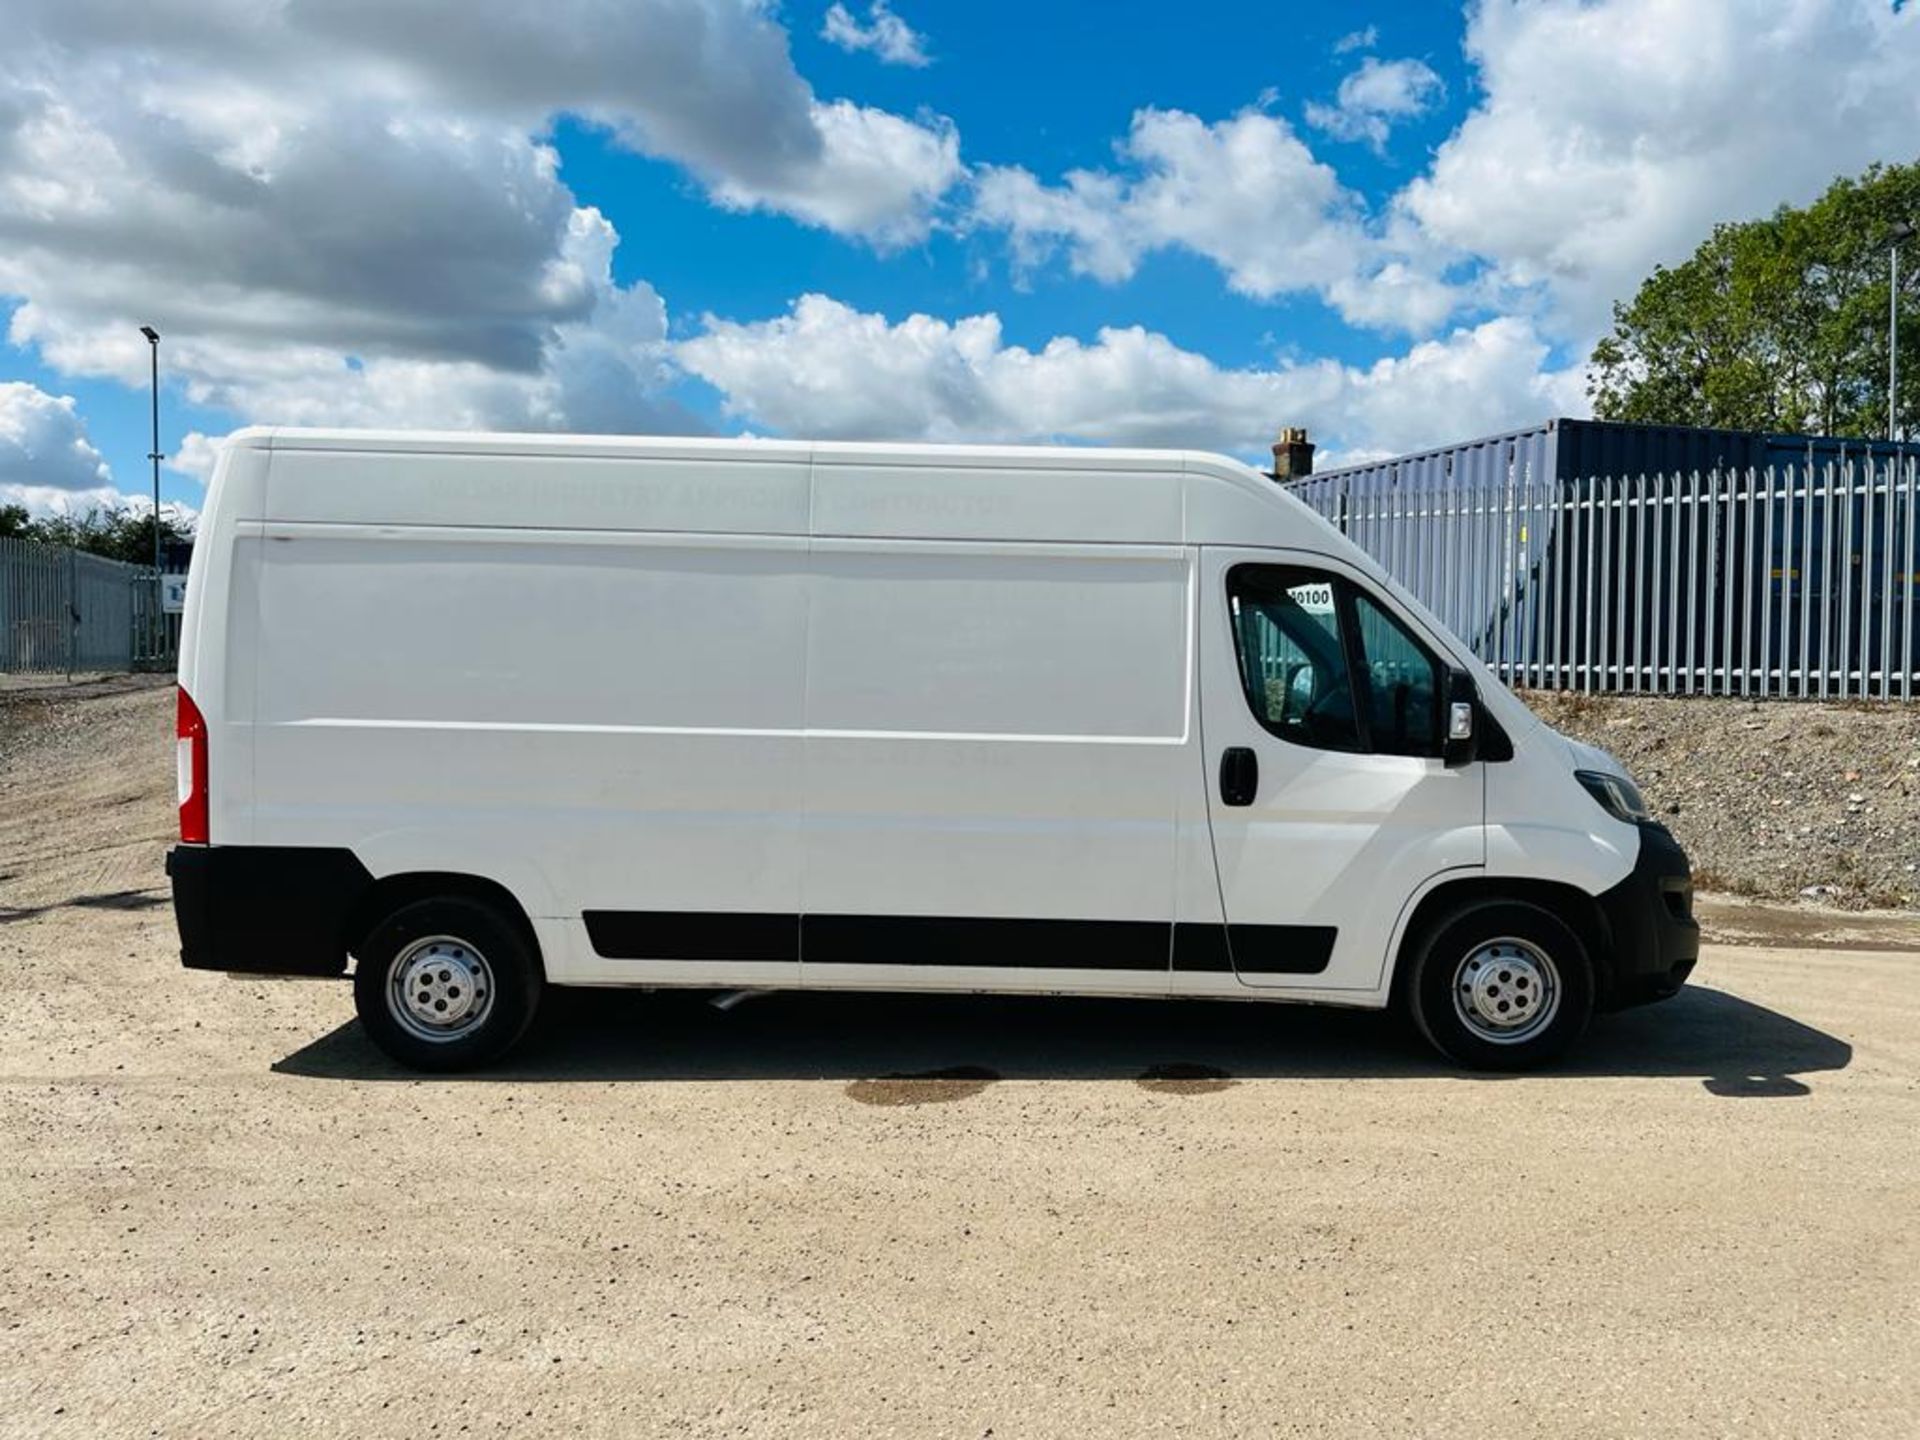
(1252, 949)
(969, 940)
(692, 935)
(948, 940)
(1281, 949)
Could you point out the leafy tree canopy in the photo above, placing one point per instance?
(119, 533)
(1779, 324)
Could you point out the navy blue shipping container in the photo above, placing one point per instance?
(1580, 449)
(1650, 557)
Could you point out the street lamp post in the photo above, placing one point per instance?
(1901, 232)
(156, 622)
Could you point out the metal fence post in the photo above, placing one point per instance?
(1766, 598)
(1910, 655)
(1884, 609)
(73, 610)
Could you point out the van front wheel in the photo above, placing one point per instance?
(445, 984)
(1501, 985)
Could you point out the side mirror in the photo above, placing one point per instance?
(1462, 743)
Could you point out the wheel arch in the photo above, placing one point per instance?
(391, 892)
(1574, 907)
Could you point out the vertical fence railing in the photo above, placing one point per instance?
(63, 610)
(1794, 581)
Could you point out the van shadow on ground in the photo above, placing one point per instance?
(148, 899)
(1735, 1048)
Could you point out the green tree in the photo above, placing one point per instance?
(1776, 324)
(119, 533)
(14, 521)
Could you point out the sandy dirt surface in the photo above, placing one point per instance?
(222, 1213)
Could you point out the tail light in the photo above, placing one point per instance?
(190, 761)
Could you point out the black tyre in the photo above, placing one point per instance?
(1501, 985)
(446, 984)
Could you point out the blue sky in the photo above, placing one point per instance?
(1052, 102)
(1398, 224)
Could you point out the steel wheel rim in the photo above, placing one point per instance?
(1506, 991)
(440, 989)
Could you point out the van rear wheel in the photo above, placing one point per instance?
(1501, 985)
(446, 984)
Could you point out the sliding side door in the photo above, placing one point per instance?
(995, 734)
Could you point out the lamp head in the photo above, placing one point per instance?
(153, 335)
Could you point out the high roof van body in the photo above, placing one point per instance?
(475, 715)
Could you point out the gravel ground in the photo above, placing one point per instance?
(1772, 799)
(223, 1214)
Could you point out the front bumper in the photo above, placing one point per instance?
(1655, 939)
(265, 909)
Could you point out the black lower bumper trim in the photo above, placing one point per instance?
(265, 909)
(1655, 938)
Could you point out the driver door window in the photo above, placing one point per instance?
(1324, 665)
(1293, 660)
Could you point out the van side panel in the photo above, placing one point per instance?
(996, 736)
(1082, 496)
(598, 721)
(746, 491)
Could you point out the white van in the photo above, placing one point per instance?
(493, 713)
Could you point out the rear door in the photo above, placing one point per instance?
(1329, 804)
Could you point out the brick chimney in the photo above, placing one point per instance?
(1292, 455)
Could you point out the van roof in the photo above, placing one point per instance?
(1023, 492)
(456, 442)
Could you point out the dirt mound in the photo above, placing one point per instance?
(1774, 799)
(86, 792)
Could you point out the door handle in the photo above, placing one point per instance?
(1239, 776)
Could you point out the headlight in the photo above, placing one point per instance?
(1615, 794)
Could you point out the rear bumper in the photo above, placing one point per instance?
(1650, 920)
(265, 909)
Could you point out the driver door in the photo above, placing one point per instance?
(1328, 801)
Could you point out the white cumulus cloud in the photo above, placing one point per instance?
(350, 212)
(43, 441)
(47, 463)
(194, 456)
(825, 369)
(1376, 96)
(1613, 134)
(707, 83)
(1244, 192)
(888, 36)
(877, 175)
